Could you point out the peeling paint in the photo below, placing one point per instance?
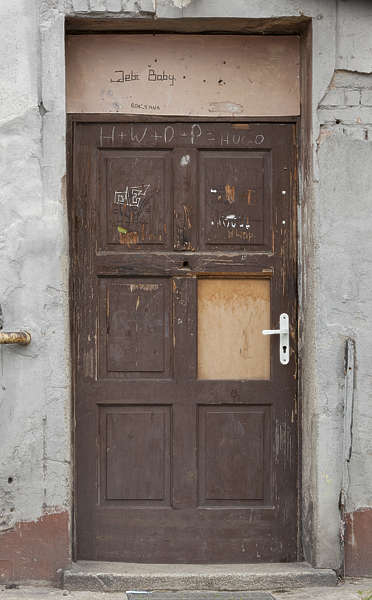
(226, 107)
(128, 237)
(36, 549)
(181, 3)
(230, 196)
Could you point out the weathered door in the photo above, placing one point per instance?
(186, 422)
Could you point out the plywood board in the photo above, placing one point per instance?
(195, 75)
(231, 317)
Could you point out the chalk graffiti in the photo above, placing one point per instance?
(185, 160)
(132, 196)
(230, 222)
(192, 134)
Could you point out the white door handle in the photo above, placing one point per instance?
(284, 337)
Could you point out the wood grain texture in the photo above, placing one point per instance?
(222, 75)
(234, 453)
(135, 327)
(231, 316)
(172, 467)
(235, 198)
(135, 456)
(134, 208)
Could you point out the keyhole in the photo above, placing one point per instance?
(284, 349)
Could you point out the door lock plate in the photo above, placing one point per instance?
(283, 332)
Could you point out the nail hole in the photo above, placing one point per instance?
(185, 263)
(10, 479)
(338, 121)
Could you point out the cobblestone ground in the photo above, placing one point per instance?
(352, 589)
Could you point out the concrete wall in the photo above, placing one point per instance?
(335, 216)
(35, 454)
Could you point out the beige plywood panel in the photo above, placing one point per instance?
(231, 316)
(195, 75)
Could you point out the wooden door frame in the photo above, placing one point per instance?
(301, 26)
(303, 124)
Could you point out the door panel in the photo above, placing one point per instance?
(135, 327)
(234, 454)
(135, 442)
(235, 199)
(183, 250)
(134, 199)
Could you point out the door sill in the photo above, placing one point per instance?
(121, 577)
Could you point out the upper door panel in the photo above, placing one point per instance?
(235, 199)
(187, 186)
(135, 206)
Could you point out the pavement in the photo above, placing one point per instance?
(350, 589)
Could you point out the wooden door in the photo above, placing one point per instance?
(183, 251)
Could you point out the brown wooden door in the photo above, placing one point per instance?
(186, 422)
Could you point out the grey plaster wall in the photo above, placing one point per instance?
(335, 219)
(35, 380)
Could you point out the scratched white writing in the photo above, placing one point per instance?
(131, 195)
(211, 137)
(192, 134)
(106, 138)
(196, 132)
(168, 134)
(138, 137)
(230, 222)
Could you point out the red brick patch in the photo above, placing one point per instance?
(358, 543)
(35, 550)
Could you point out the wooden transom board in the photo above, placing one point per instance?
(170, 74)
(183, 251)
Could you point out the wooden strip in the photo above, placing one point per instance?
(222, 75)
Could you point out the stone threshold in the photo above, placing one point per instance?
(122, 577)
